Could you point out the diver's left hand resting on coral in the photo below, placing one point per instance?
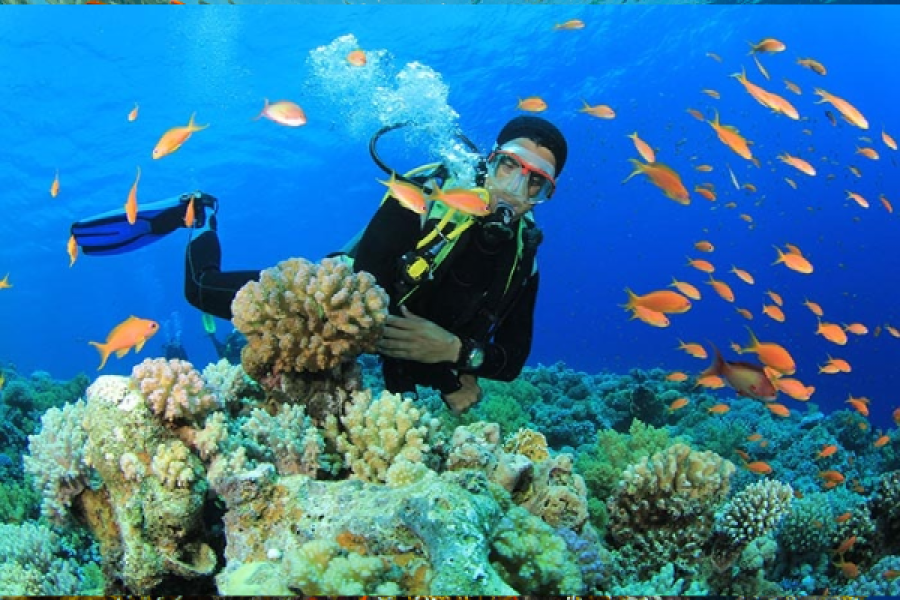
(411, 337)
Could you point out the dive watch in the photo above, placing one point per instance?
(471, 355)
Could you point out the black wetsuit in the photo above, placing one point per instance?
(465, 297)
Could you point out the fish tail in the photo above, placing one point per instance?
(638, 169)
(716, 367)
(631, 298)
(263, 111)
(104, 351)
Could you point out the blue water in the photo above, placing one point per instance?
(72, 74)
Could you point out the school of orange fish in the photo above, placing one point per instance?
(133, 332)
(772, 375)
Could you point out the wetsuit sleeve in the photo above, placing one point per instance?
(505, 355)
(391, 233)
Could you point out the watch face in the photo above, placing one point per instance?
(476, 358)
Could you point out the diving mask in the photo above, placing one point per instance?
(522, 173)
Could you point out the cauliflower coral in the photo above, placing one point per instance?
(307, 317)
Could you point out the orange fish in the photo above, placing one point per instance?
(768, 99)
(695, 350)
(843, 518)
(886, 203)
(792, 86)
(569, 25)
(643, 148)
(814, 307)
(464, 200)
(747, 379)
(888, 140)
(701, 265)
(827, 450)
(532, 104)
(664, 301)
(663, 177)
(712, 382)
(407, 194)
(686, 288)
(755, 437)
(869, 153)
(857, 198)
(847, 110)
(798, 163)
(772, 355)
(190, 215)
(774, 312)
(767, 45)
(357, 58)
(696, 114)
(54, 187)
(712, 94)
(133, 115)
(4, 283)
(722, 289)
(676, 376)
(601, 111)
(718, 409)
(679, 403)
(706, 193)
(72, 250)
(779, 410)
(845, 545)
(175, 137)
(759, 467)
(859, 405)
(704, 168)
(131, 204)
(891, 574)
(283, 112)
(704, 246)
(730, 136)
(744, 313)
(650, 316)
(856, 328)
(813, 65)
(776, 297)
(882, 441)
(892, 330)
(133, 332)
(832, 332)
(743, 275)
(794, 262)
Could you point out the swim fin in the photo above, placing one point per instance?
(209, 324)
(111, 233)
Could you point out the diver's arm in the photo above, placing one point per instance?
(506, 354)
(392, 232)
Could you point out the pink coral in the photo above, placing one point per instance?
(174, 389)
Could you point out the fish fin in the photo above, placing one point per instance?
(122, 352)
(140, 345)
(104, 353)
(263, 111)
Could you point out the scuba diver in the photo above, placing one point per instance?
(462, 288)
(234, 342)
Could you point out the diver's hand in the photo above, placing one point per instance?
(469, 394)
(412, 337)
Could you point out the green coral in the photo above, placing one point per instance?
(19, 502)
(602, 466)
(532, 558)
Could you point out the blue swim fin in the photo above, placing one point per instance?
(111, 233)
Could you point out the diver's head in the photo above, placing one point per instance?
(522, 169)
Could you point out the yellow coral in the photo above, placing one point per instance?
(306, 317)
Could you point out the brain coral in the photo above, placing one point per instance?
(307, 317)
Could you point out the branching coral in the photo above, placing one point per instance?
(306, 317)
(379, 431)
(663, 509)
(751, 514)
(174, 389)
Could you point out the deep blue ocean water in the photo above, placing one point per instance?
(72, 74)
